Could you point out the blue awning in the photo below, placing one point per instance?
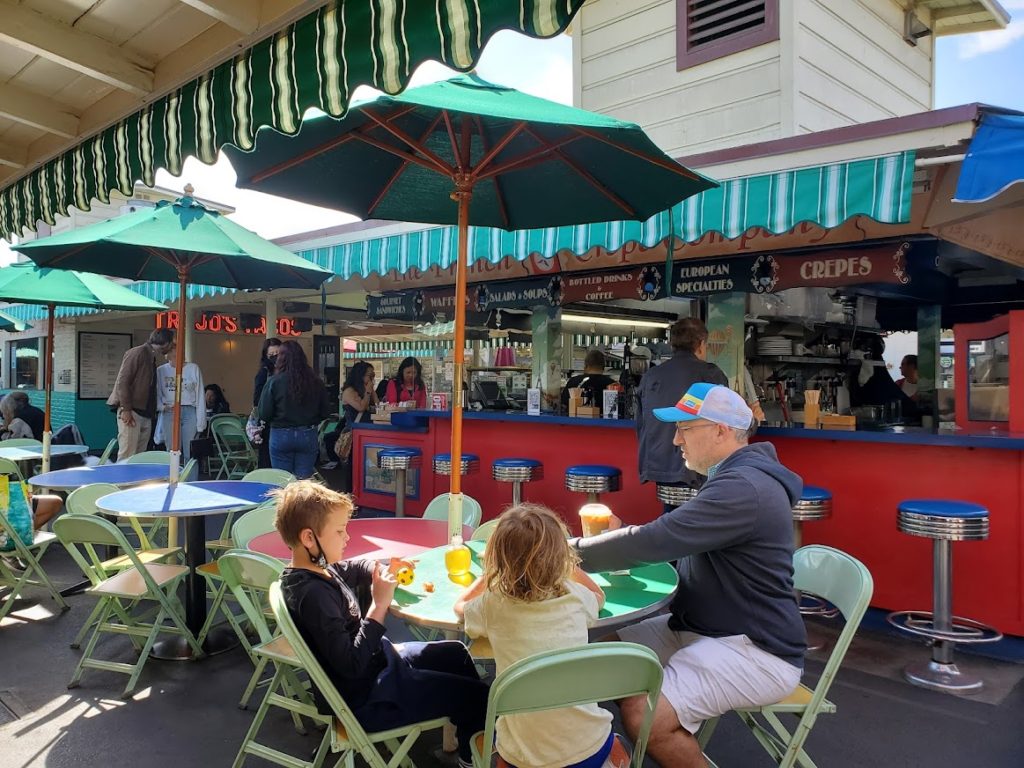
(995, 159)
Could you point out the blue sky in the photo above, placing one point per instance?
(986, 67)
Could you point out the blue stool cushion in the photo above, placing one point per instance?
(943, 508)
(814, 493)
(511, 463)
(448, 457)
(593, 470)
(396, 452)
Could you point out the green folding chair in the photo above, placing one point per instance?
(249, 575)
(149, 457)
(34, 575)
(344, 734)
(437, 509)
(156, 582)
(236, 454)
(11, 469)
(569, 677)
(483, 532)
(278, 477)
(105, 456)
(845, 583)
(250, 525)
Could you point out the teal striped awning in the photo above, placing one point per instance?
(827, 195)
(158, 291)
(318, 61)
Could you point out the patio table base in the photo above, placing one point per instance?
(176, 648)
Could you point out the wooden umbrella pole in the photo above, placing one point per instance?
(47, 428)
(179, 364)
(463, 195)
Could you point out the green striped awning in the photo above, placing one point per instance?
(316, 62)
(827, 195)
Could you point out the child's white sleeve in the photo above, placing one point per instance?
(474, 616)
(588, 599)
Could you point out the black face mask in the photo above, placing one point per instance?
(319, 560)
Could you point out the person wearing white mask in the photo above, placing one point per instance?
(193, 405)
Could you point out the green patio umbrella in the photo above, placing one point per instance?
(29, 284)
(465, 151)
(178, 242)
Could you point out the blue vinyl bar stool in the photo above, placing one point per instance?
(814, 504)
(943, 522)
(469, 465)
(517, 472)
(593, 480)
(399, 460)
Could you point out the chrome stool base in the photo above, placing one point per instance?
(941, 677)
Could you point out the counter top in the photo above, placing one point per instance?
(416, 420)
(904, 436)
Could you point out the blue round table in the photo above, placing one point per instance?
(22, 453)
(193, 502)
(115, 474)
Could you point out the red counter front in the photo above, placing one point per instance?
(868, 474)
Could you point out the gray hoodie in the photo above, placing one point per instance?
(734, 544)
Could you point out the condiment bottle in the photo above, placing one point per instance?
(458, 558)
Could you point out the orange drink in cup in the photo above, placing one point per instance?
(595, 519)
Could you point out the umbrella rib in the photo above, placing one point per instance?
(668, 165)
(456, 155)
(401, 169)
(490, 155)
(404, 138)
(531, 158)
(499, 195)
(299, 159)
(430, 166)
(588, 177)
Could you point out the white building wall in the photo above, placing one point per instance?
(851, 64)
(835, 63)
(626, 62)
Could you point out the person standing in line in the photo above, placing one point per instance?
(660, 388)
(268, 359)
(193, 405)
(408, 385)
(134, 395)
(293, 404)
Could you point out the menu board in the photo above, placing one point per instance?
(99, 360)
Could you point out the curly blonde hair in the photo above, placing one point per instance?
(528, 556)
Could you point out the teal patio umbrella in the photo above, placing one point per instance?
(29, 284)
(465, 151)
(179, 242)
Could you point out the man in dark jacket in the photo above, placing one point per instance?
(660, 388)
(134, 395)
(734, 637)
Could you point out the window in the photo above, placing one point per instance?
(988, 394)
(709, 29)
(25, 358)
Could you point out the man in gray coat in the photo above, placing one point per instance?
(134, 395)
(660, 388)
(734, 637)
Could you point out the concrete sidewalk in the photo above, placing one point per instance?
(185, 713)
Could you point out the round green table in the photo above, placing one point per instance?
(629, 596)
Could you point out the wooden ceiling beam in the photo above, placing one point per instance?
(13, 157)
(79, 51)
(29, 108)
(240, 15)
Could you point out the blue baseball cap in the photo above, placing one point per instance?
(711, 402)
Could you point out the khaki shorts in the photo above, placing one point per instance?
(708, 676)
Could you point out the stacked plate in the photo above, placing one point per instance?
(771, 346)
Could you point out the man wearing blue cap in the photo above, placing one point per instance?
(734, 637)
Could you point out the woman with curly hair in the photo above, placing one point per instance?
(293, 403)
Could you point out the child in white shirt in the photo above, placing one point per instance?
(533, 597)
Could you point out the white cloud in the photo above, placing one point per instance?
(983, 43)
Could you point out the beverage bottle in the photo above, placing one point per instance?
(458, 558)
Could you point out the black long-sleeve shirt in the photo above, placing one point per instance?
(329, 614)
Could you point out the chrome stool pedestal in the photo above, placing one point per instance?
(399, 461)
(517, 472)
(469, 465)
(815, 504)
(944, 522)
(675, 495)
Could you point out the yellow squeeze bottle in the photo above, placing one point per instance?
(458, 558)
(5, 493)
